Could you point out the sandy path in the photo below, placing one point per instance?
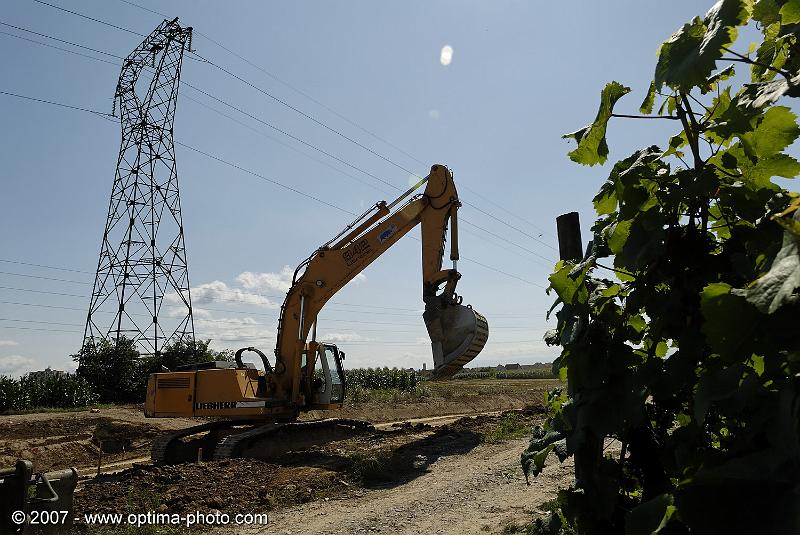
(479, 492)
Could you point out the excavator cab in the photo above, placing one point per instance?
(327, 377)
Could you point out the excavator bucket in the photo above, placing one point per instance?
(458, 333)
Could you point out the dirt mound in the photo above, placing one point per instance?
(116, 437)
(71, 441)
(378, 458)
(229, 486)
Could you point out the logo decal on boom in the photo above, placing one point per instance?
(386, 234)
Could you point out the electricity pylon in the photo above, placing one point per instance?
(142, 267)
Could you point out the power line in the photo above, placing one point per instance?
(56, 47)
(298, 139)
(281, 131)
(290, 86)
(231, 164)
(295, 109)
(90, 18)
(78, 108)
(20, 28)
(499, 237)
(278, 141)
(506, 210)
(271, 296)
(40, 291)
(531, 236)
(37, 329)
(43, 278)
(21, 263)
(42, 322)
(207, 106)
(262, 177)
(503, 272)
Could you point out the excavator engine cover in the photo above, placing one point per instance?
(458, 333)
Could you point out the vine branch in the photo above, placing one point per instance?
(623, 115)
(744, 59)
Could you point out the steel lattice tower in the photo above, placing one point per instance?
(143, 256)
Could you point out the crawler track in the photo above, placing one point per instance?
(225, 441)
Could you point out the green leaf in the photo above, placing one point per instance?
(569, 287)
(651, 516)
(716, 386)
(638, 323)
(790, 12)
(592, 147)
(757, 96)
(781, 165)
(730, 321)
(619, 233)
(779, 285)
(605, 202)
(756, 174)
(716, 78)
(649, 100)
(757, 363)
(774, 131)
(766, 12)
(688, 57)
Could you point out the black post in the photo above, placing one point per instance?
(588, 456)
(569, 236)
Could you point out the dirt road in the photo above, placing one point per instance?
(481, 492)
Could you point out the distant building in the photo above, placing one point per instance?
(515, 366)
(47, 372)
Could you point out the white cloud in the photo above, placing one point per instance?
(219, 292)
(280, 281)
(434, 114)
(342, 337)
(358, 279)
(6, 343)
(198, 312)
(446, 56)
(16, 365)
(231, 333)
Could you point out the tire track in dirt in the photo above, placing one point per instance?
(478, 492)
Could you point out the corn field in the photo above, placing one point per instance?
(61, 391)
(382, 378)
(539, 373)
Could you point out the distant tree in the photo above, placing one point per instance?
(182, 353)
(113, 369)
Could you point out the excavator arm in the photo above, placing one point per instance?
(457, 332)
(306, 374)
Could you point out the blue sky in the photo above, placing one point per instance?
(522, 74)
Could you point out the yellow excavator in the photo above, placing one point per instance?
(256, 408)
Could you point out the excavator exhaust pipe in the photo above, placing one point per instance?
(458, 334)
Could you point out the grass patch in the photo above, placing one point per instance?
(510, 427)
(370, 467)
(38, 410)
(511, 527)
